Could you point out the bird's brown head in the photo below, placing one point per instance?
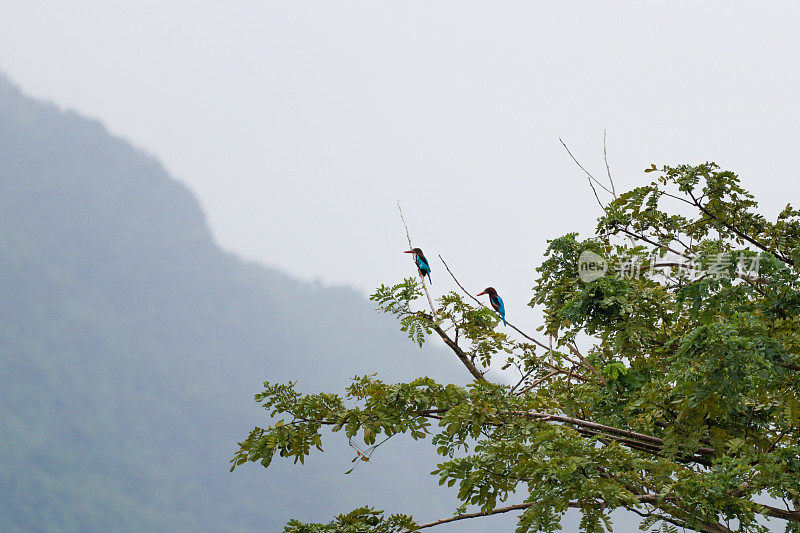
(488, 290)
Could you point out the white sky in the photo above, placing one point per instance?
(300, 124)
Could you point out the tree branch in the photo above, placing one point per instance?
(651, 449)
(538, 381)
(602, 428)
(631, 439)
(643, 498)
(659, 516)
(739, 233)
(654, 243)
(774, 512)
(499, 510)
(669, 264)
(608, 167)
(474, 299)
(539, 343)
(456, 349)
(411, 246)
(588, 174)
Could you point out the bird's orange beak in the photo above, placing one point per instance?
(408, 252)
(481, 294)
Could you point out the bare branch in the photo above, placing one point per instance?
(630, 439)
(659, 516)
(608, 167)
(410, 246)
(684, 200)
(585, 362)
(589, 175)
(651, 449)
(405, 225)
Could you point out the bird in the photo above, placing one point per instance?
(422, 263)
(496, 302)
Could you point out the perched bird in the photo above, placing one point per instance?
(422, 263)
(496, 302)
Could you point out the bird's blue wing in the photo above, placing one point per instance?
(423, 265)
(500, 307)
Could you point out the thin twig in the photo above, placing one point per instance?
(589, 175)
(654, 243)
(538, 381)
(780, 438)
(522, 379)
(410, 247)
(684, 200)
(735, 230)
(749, 418)
(608, 167)
(586, 363)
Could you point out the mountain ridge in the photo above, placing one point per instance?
(131, 346)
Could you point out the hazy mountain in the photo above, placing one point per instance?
(131, 347)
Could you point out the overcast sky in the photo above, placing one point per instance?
(300, 124)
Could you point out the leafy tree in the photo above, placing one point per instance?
(669, 386)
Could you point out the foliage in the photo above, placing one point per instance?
(684, 408)
(356, 521)
(127, 337)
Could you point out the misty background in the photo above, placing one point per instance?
(300, 124)
(285, 133)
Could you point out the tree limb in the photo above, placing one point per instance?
(411, 246)
(457, 350)
(577, 422)
(539, 343)
(643, 498)
(739, 233)
(499, 510)
(654, 243)
(588, 174)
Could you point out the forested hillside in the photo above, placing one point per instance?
(131, 347)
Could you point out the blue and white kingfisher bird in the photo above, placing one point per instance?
(496, 302)
(422, 264)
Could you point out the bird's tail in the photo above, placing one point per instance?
(504, 319)
(429, 278)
